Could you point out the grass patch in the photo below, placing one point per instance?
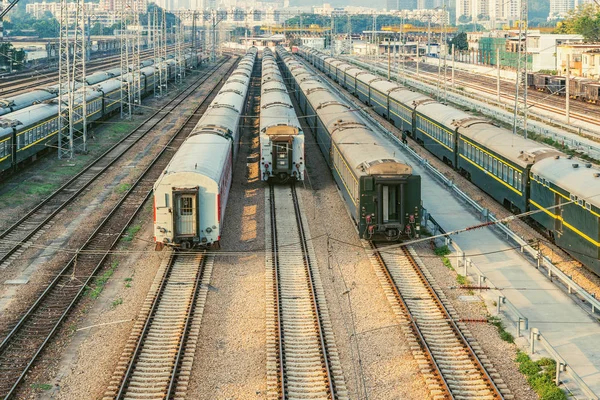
(122, 188)
(101, 281)
(117, 302)
(540, 376)
(128, 282)
(461, 279)
(442, 251)
(42, 386)
(504, 335)
(131, 232)
(446, 261)
(41, 189)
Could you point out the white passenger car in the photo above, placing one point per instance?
(281, 137)
(191, 194)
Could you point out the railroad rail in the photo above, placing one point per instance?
(29, 226)
(27, 339)
(39, 80)
(536, 99)
(302, 361)
(157, 359)
(450, 360)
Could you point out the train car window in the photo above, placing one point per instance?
(510, 176)
(573, 197)
(495, 167)
(580, 202)
(519, 181)
(504, 172)
(588, 206)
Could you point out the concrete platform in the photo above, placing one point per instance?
(572, 331)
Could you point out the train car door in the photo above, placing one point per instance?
(283, 151)
(185, 214)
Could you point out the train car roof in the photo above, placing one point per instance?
(515, 148)
(445, 115)
(573, 175)
(26, 99)
(28, 116)
(199, 154)
(385, 86)
(408, 97)
(109, 85)
(97, 77)
(367, 152)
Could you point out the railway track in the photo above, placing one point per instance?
(31, 225)
(451, 361)
(541, 100)
(40, 80)
(302, 360)
(157, 359)
(20, 348)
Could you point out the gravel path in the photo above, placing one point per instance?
(79, 362)
(501, 353)
(376, 360)
(230, 360)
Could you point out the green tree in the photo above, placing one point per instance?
(463, 19)
(584, 20)
(97, 29)
(460, 41)
(46, 28)
(8, 55)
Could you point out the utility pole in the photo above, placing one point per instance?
(72, 121)
(519, 78)
(525, 17)
(568, 91)
(331, 42)
(498, 72)
(125, 88)
(349, 33)
(136, 94)
(179, 62)
(445, 48)
(155, 47)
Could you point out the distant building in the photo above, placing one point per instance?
(582, 59)
(487, 12)
(317, 43)
(590, 64)
(541, 48)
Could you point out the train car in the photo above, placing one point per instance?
(28, 132)
(541, 82)
(530, 79)
(281, 136)
(556, 85)
(566, 194)
(20, 101)
(498, 162)
(592, 92)
(381, 191)
(402, 102)
(379, 96)
(435, 129)
(190, 196)
(364, 80)
(506, 166)
(576, 87)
